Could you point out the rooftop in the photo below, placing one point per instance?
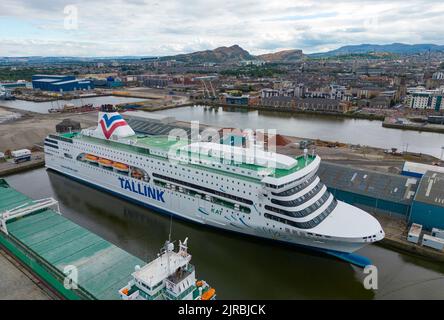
(46, 80)
(70, 81)
(431, 189)
(148, 117)
(159, 269)
(391, 187)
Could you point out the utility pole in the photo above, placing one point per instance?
(442, 153)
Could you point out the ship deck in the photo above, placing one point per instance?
(164, 144)
(54, 242)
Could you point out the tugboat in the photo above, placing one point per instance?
(169, 277)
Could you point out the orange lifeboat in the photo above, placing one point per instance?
(105, 162)
(207, 295)
(91, 158)
(137, 175)
(120, 166)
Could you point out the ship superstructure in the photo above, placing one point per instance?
(170, 276)
(244, 190)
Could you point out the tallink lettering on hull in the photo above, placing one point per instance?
(142, 189)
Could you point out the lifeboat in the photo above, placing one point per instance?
(106, 162)
(137, 174)
(199, 283)
(207, 295)
(91, 158)
(120, 166)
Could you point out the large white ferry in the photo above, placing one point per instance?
(285, 201)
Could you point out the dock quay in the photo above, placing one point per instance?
(396, 231)
(421, 127)
(74, 262)
(292, 110)
(9, 167)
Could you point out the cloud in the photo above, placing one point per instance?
(155, 27)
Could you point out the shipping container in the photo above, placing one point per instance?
(21, 155)
(414, 233)
(438, 233)
(433, 242)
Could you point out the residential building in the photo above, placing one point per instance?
(427, 99)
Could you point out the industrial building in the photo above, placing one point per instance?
(235, 100)
(428, 204)
(13, 85)
(370, 190)
(154, 81)
(109, 82)
(418, 199)
(417, 170)
(60, 83)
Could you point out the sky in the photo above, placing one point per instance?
(164, 27)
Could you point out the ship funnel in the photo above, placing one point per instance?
(112, 124)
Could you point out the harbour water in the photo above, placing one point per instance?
(42, 107)
(237, 266)
(330, 128)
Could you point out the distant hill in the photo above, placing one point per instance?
(218, 55)
(62, 59)
(282, 56)
(394, 48)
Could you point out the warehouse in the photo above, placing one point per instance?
(428, 204)
(13, 85)
(235, 100)
(370, 190)
(60, 83)
(417, 170)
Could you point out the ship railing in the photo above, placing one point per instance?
(26, 209)
(172, 296)
(132, 296)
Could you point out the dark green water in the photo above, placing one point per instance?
(238, 267)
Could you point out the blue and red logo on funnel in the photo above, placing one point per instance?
(110, 124)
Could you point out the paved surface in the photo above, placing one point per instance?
(16, 283)
(9, 167)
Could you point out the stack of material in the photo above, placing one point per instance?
(68, 125)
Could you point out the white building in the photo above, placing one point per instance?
(438, 75)
(269, 93)
(337, 92)
(426, 99)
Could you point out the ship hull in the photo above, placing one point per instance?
(186, 208)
